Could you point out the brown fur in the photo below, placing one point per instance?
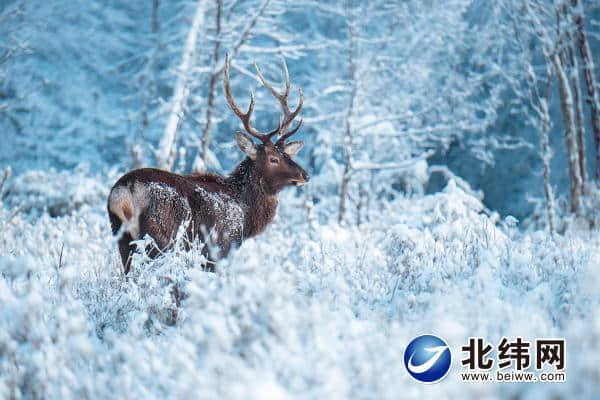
(155, 202)
(127, 211)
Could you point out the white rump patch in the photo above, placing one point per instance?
(128, 206)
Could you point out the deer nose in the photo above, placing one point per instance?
(305, 176)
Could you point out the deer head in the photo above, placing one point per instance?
(272, 161)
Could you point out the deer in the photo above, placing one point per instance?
(222, 209)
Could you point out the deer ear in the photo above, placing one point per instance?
(292, 148)
(246, 145)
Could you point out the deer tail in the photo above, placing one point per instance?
(122, 205)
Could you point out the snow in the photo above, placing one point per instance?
(293, 313)
(230, 213)
(445, 150)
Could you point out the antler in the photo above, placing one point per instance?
(288, 115)
(244, 117)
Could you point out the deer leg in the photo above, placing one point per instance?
(126, 250)
(210, 260)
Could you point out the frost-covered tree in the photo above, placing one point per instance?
(153, 70)
(13, 43)
(576, 12)
(249, 31)
(548, 35)
(389, 78)
(533, 93)
(166, 148)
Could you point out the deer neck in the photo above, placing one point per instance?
(259, 206)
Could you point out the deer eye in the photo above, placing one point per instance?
(274, 160)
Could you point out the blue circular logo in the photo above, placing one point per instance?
(427, 358)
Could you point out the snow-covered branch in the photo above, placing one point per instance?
(166, 149)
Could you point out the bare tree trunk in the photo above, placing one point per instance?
(566, 104)
(540, 103)
(362, 203)
(546, 157)
(166, 150)
(6, 173)
(246, 33)
(590, 81)
(576, 88)
(347, 140)
(155, 26)
(579, 124)
(370, 193)
(347, 146)
(201, 157)
(212, 86)
(546, 152)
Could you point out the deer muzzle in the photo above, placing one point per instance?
(304, 180)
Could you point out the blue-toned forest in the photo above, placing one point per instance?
(453, 148)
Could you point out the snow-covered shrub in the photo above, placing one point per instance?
(587, 220)
(298, 312)
(58, 193)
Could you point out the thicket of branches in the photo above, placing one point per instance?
(398, 77)
(554, 55)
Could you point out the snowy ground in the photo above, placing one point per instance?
(304, 311)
